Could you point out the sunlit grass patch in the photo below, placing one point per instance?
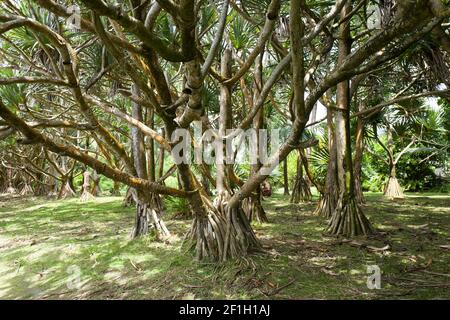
(42, 240)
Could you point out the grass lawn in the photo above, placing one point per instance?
(45, 244)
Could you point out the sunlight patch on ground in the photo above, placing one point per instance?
(38, 246)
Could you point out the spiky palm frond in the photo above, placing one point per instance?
(240, 33)
(319, 159)
(12, 94)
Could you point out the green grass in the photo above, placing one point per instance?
(43, 241)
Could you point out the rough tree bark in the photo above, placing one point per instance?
(161, 160)
(151, 165)
(65, 189)
(285, 178)
(252, 205)
(347, 218)
(149, 207)
(359, 149)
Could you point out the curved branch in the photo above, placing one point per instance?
(272, 14)
(217, 40)
(31, 80)
(76, 154)
(86, 25)
(136, 27)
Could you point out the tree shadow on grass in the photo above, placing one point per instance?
(42, 243)
(328, 267)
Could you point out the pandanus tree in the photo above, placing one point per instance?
(156, 59)
(253, 205)
(410, 129)
(393, 189)
(301, 189)
(347, 218)
(329, 193)
(303, 180)
(419, 73)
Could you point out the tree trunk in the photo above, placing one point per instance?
(206, 185)
(329, 196)
(9, 177)
(53, 185)
(221, 233)
(301, 191)
(116, 189)
(149, 207)
(65, 191)
(86, 195)
(347, 218)
(252, 206)
(26, 189)
(148, 216)
(130, 198)
(151, 167)
(218, 232)
(161, 162)
(359, 149)
(285, 177)
(96, 190)
(393, 190)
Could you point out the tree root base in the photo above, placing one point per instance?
(326, 206)
(148, 217)
(86, 196)
(11, 190)
(224, 233)
(130, 198)
(301, 191)
(26, 190)
(393, 189)
(349, 220)
(66, 192)
(254, 210)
